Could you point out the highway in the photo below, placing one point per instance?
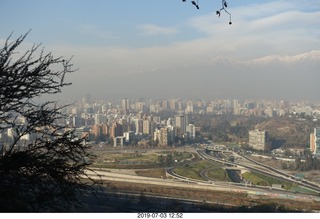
(175, 180)
(183, 182)
(303, 182)
(260, 168)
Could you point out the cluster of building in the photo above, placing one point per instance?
(124, 124)
(268, 108)
(132, 122)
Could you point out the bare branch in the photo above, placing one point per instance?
(42, 160)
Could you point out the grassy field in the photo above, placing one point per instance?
(262, 180)
(213, 171)
(180, 156)
(217, 173)
(139, 158)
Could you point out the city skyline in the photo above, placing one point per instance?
(170, 49)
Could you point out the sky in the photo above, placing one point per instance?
(168, 48)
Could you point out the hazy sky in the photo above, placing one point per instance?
(159, 47)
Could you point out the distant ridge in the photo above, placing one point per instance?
(290, 77)
(312, 56)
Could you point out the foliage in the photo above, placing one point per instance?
(263, 180)
(217, 173)
(311, 163)
(195, 169)
(227, 128)
(42, 163)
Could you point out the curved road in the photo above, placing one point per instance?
(264, 170)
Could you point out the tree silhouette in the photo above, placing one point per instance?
(41, 162)
(224, 5)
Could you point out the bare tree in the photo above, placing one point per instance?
(41, 162)
(224, 6)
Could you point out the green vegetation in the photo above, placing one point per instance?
(262, 180)
(191, 171)
(311, 163)
(217, 173)
(181, 156)
(209, 169)
(259, 179)
(140, 160)
(284, 131)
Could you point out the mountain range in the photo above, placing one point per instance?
(272, 77)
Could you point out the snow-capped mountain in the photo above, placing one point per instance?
(282, 77)
(312, 57)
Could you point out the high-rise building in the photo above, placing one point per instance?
(180, 123)
(236, 107)
(165, 105)
(173, 104)
(99, 130)
(210, 109)
(77, 121)
(128, 136)
(191, 131)
(171, 133)
(146, 127)
(312, 143)
(96, 130)
(100, 118)
(138, 126)
(163, 139)
(189, 109)
(125, 106)
(258, 140)
(315, 141)
(140, 106)
(104, 108)
(156, 135)
(186, 122)
(180, 105)
(116, 130)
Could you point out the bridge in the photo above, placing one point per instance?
(214, 148)
(238, 169)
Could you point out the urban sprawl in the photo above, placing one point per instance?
(169, 122)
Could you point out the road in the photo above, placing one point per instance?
(182, 182)
(260, 168)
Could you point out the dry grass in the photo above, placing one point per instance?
(226, 198)
(154, 173)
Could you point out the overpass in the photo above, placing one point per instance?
(238, 169)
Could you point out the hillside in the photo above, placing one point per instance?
(288, 132)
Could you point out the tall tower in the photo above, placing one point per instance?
(125, 106)
(100, 118)
(258, 140)
(180, 123)
(146, 127)
(316, 142)
(163, 140)
(312, 143)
